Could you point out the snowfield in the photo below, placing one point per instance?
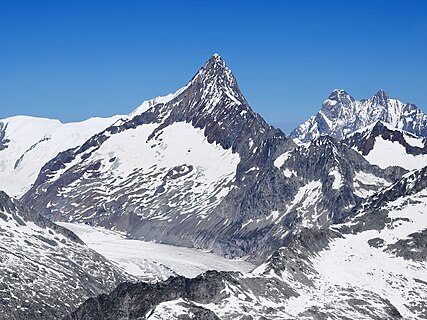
(31, 142)
(152, 261)
(386, 153)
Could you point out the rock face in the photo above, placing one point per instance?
(341, 115)
(138, 301)
(333, 178)
(46, 270)
(386, 146)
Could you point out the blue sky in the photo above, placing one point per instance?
(75, 59)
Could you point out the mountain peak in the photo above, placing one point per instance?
(338, 92)
(216, 65)
(217, 79)
(216, 57)
(337, 97)
(380, 97)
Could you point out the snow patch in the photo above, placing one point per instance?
(338, 182)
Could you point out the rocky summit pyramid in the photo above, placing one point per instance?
(178, 170)
(341, 115)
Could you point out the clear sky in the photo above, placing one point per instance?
(75, 59)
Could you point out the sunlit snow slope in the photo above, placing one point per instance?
(27, 143)
(385, 146)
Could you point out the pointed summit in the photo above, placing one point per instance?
(339, 94)
(215, 79)
(380, 97)
(338, 97)
(216, 67)
(216, 57)
(215, 62)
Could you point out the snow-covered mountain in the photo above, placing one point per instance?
(46, 271)
(385, 146)
(199, 168)
(341, 115)
(178, 171)
(372, 266)
(27, 143)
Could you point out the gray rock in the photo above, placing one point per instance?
(46, 270)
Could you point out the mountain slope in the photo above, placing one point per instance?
(333, 176)
(372, 266)
(386, 146)
(45, 270)
(341, 115)
(319, 185)
(27, 143)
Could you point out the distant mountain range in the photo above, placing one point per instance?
(341, 115)
(324, 213)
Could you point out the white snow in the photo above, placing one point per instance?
(386, 153)
(337, 179)
(414, 141)
(278, 163)
(148, 259)
(177, 144)
(35, 141)
(350, 263)
(288, 173)
(363, 183)
(134, 164)
(146, 105)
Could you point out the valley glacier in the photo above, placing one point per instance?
(149, 261)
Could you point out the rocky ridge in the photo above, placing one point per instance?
(45, 269)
